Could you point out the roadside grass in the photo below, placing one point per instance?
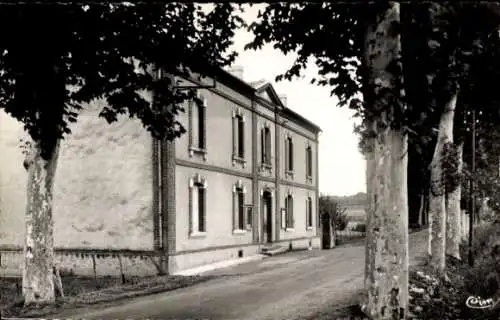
(81, 291)
(429, 297)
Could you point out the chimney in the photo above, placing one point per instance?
(283, 99)
(237, 71)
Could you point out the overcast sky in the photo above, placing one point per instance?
(341, 166)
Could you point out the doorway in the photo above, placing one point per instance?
(267, 209)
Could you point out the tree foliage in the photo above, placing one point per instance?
(332, 212)
(71, 54)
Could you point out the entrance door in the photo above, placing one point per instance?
(267, 209)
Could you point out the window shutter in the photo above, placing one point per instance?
(205, 209)
(308, 162)
(234, 136)
(283, 216)
(311, 211)
(235, 208)
(249, 218)
(287, 155)
(262, 146)
(287, 207)
(307, 212)
(268, 145)
(290, 212)
(190, 119)
(191, 210)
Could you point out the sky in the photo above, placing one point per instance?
(341, 166)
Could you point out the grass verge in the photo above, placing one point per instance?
(429, 297)
(83, 291)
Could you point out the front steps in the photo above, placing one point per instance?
(273, 249)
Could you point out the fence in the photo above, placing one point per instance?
(354, 231)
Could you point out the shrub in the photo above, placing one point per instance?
(341, 221)
(483, 278)
(332, 211)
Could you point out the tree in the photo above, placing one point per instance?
(333, 211)
(365, 58)
(72, 54)
(458, 50)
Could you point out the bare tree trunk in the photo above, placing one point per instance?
(386, 281)
(38, 272)
(453, 214)
(421, 210)
(370, 205)
(437, 210)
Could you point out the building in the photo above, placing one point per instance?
(243, 177)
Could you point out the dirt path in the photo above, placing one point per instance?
(291, 286)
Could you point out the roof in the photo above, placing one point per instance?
(302, 118)
(261, 86)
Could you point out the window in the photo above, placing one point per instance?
(241, 137)
(197, 187)
(283, 218)
(249, 216)
(289, 211)
(238, 135)
(240, 203)
(265, 146)
(240, 219)
(197, 126)
(201, 127)
(289, 154)
(309, 164)
(309, 213)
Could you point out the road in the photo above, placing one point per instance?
(291, 286)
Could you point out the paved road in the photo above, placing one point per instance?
(290, 286)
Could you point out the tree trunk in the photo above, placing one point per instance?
(429, 247)
(421, 210)
(453, 214)
(437, 208)
(386, 281)
(38, 284)
(370, 179)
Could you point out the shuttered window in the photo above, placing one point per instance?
(309, 212)
(289, 211)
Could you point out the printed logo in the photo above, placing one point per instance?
(476, 302)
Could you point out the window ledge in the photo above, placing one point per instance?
(197, 234)
(289, 174)
(309, 179)
(289, 229)
(239, 231)
(195, 150)
(309, 228)
(239, 160)
(266, 167)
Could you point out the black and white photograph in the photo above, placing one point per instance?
(250, 160)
